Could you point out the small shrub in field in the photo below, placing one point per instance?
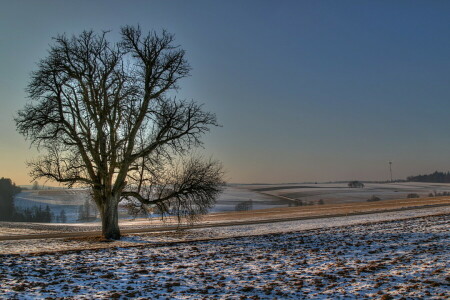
(413, 195)
(373, 199)
(355, 184)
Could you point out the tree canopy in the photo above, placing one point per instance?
(106, 116)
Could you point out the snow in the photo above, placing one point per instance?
(278, 196)
(59, 244)
(233, 196)
(401, 254)
(341, 193)
(71, 199)
(57, 200)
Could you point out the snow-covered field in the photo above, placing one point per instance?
(71, 200)
(345, 258)
(56, 200)
(25, 246)
(251, 197)
(341, 193)
(234, 196)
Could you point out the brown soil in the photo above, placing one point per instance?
(328, 210)
(258, 216)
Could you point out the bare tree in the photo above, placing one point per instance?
(35, 186)
(105, 116)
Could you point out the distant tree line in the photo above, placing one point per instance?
(439, 177)
(33, 214)
(8, 211)
(7, 192)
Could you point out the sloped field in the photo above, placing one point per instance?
(334, 193)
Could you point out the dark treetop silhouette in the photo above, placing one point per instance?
(103, 115)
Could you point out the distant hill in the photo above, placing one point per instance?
(438, 177)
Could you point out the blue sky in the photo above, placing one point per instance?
(305, 90)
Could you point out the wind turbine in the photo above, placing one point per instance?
(390, 169)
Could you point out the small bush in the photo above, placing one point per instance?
(373, 199)
(413, 195)
(355, 184)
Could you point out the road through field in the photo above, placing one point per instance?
(47, 231)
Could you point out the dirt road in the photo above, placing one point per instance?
(233, 218)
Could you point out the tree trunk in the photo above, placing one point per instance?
(110, 219)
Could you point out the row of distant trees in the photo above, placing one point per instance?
(9, 212)
(7, 192)
(439, 177)
(33, 214)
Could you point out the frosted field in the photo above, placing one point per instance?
(29, 246)
(400, 258)
(233, 196)
(57, 200)
(70, 200)
(259, 196)
(341, 193)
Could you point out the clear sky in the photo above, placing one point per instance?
(305, 90)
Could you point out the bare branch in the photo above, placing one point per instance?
(102, 114)
(189, 190)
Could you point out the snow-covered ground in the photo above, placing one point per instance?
(251, 197)
(60, 244)
(233, 196)
(57, 200)
(341, 193)
(70, 201)
(331, 258)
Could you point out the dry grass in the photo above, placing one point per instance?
(90, 239)
(327, 210)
